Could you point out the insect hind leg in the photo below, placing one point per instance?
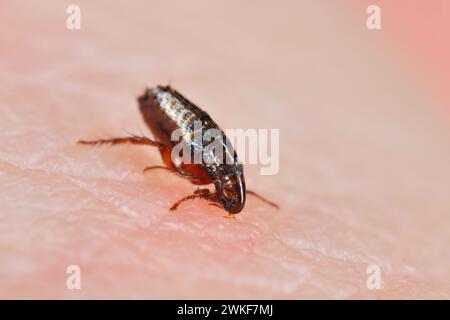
(140, 140)
(157, 167)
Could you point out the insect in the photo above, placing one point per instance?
(165, 110)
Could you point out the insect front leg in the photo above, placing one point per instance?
(270, 203)
(158, 167)
(198, 194)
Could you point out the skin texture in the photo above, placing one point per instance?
(364, 154)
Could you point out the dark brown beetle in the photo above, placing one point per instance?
(165, 110)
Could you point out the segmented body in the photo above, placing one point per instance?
(165, 110)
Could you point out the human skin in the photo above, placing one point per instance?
(364, 152)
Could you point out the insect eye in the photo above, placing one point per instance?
(227, 193)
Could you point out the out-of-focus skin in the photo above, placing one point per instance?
(363, 180)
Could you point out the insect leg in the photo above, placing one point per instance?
(157, 167)
(200, 194)
(270, 203)
(131, 140)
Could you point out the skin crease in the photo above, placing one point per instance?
(364, 155)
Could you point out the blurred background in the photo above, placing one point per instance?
(364, 122)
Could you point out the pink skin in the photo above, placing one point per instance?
(363, 180)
